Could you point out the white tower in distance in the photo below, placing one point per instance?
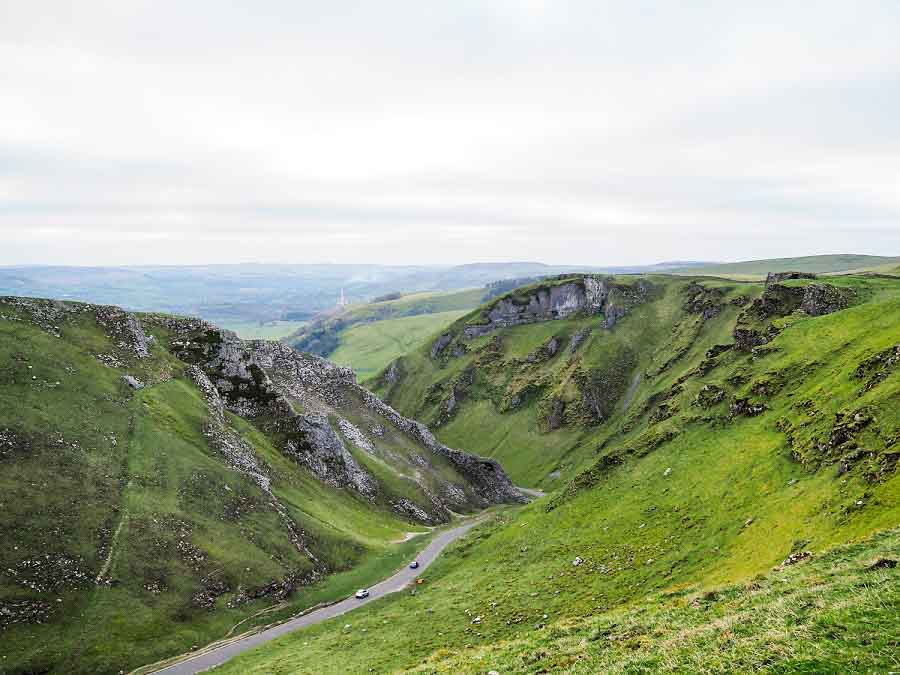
(343, 300)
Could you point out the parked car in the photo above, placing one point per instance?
(362, 593)
(414, 565)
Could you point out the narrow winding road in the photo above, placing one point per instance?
(217, 655)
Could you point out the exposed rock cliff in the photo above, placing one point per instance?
(305, 401)
(754, 327)
(586, 295)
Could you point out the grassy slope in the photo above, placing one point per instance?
(517, 438)
(821, 264)
(369, 347)
(94, 468)
(368, 337)
(254, 330)
(720, 503)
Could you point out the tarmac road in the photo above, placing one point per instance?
(215, 656)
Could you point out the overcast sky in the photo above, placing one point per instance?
(447, 132)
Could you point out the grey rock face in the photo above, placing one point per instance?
(579, 337)
(775, 277)
(392, 374)
(557, 412)
(819, 299)
(273, 381)
(441, 344)
(315, 445)
(133, 382)
(486, 476)
(589, 295)
(242, 457)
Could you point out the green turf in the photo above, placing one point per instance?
(261, 330)
(822, 264)
(680, 513)
(369, 336)
(369, 347)
(97, 479)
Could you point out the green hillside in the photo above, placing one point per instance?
(369, 347)
(142, 516)
(712, 433)
(262, 330)
(818, 264)
(368, 337)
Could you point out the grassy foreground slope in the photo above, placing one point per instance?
(129, 532)
(660, 554)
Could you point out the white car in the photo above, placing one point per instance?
(362, 593)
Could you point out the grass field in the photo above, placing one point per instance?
(102, 482)
(254, 330)
(679, 510)
(369, 347)
(367, 337)
(820, 264)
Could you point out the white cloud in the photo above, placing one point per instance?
(577, 132)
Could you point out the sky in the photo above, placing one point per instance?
(172, 132)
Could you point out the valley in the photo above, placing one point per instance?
(732, 516)
(713, 463)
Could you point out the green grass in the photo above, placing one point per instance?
(680, 518)
(369, 347)
(355, 335)
(831, 614)
(820, 264)
(261, 330)
(679, 511)
(98, 477)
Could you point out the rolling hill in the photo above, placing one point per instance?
(164, 482)
(817, 264)
(367, 337)
(723, 459)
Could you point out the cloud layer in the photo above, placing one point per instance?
(410, 132)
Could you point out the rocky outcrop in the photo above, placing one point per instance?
(299, 397)
(700, 299)
(814, 299)
(819, 299)
(753, 328)
(546, 351)
(313, 442)
(775, 277)
(580, 336)
(877, 368)
(124, 329)
(393, 373)
(441, 344)
(560, 300)
(242, 457)
(487, 478)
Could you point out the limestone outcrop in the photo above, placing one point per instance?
(559, 299)
(304, 400)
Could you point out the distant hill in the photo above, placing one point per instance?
(819, 264)
(368, 336)
(243, 293)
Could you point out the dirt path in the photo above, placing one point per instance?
(220, 653)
